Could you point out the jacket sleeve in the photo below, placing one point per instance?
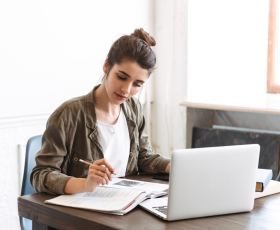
(46, 176)
(148, 161)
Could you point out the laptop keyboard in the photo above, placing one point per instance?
(162, 209)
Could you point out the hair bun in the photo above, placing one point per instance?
(144, 36)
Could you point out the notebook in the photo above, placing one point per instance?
(207, 182)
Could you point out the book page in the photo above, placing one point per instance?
(153, 188)
(103, 199)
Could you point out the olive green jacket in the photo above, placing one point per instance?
(71, 134)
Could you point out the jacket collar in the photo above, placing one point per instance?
(130, 117)
(91, 120)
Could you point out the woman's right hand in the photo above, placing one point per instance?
(100, 172)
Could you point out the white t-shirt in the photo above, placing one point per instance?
(115, 143)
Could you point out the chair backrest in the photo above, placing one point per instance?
(33, 146)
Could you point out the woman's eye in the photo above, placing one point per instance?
(137, 85)
(122, 78)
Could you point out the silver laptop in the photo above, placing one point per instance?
(208, 181)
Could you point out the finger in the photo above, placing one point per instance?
(108, 172)
(106, 163)
(93, 166)
(97, 179)
(103, 169)
(101, 180)
(103, 161)
(101, 174)
(93, 180)
(106, 178)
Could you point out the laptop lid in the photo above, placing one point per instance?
(212, 181)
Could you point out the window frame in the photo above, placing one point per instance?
(271, 59)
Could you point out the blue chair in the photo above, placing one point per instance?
(33, 146)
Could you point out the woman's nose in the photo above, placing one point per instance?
(126, 88)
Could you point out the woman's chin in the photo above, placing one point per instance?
(117, 102)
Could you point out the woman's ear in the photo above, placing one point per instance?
(105, 67)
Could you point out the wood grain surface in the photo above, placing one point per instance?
(265, 215)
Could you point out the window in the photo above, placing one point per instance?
(273, 61)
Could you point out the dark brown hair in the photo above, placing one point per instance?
(135, 47)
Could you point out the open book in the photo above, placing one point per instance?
(119, 197)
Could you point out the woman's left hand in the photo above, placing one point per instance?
(167, 169)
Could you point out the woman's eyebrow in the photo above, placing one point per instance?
(124, 73)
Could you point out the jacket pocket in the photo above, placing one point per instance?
(77, 168)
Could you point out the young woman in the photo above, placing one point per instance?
(104, 127)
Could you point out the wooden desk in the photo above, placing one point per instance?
(265, 215)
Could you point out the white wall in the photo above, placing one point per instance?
(9, 170)
(51, 51)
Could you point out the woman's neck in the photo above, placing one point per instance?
(106, 111)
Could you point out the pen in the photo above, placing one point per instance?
(85, 162)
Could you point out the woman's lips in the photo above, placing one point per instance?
(120, 97)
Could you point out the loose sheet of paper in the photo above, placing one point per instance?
(103, 199)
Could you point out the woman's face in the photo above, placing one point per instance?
(124, 81)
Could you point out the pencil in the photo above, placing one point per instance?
(85, 162)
